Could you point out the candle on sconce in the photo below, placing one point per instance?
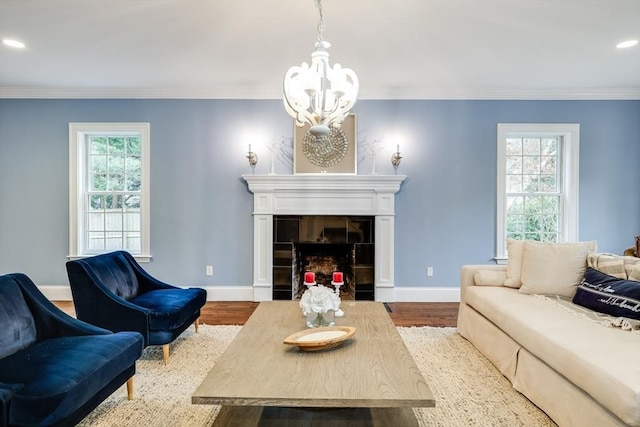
(249, 147)
(309, 277)
(337, 277)
(395, 158)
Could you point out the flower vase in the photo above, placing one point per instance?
(318, 320)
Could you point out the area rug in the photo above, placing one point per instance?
(469, 391)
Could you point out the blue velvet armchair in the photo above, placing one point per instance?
(112, 291)
(55, 369)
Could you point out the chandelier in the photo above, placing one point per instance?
(317, 94)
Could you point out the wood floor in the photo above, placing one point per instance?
(402, 313)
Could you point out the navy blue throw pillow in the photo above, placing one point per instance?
(609, 295)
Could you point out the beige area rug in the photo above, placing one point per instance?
(469, 391)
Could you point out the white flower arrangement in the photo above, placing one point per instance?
(319, 299)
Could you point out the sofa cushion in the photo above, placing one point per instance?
(18, 329)
(171, 308)
(515, 252)
(553, 268)
(609, 295)
(514, 263)
(57, 376)
(570, 344)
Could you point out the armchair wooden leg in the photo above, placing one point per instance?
(130, 389)
(197, 324)
(165, 353)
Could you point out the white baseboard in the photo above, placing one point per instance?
(246, 293)
(229, 293)
(214, 293)
(56, 293)
(437, 294)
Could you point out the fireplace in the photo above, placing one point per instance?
(323, 245)
(330, 196)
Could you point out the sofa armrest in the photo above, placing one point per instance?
(468, 272)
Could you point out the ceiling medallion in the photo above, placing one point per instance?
(326, 151)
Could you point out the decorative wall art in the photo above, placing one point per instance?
(334, 153)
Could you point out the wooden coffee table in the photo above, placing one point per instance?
(370, 379)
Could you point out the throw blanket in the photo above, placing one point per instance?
(626, 324)
(603, 319)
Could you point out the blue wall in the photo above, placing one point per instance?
(201, 208)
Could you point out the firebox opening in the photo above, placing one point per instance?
(323, 259)
(323, 245)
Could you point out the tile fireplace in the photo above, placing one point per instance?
(355, 200)
(323, 245)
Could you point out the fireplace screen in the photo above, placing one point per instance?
(323, 245)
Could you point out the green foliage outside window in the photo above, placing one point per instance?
(115, 165)
(532, 181)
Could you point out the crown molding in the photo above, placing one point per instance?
(17, 92)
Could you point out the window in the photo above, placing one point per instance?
(537, 186)
(109, 189)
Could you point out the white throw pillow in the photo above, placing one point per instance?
(553, 268)
(489, 278)
(514, 260)
(514, 263)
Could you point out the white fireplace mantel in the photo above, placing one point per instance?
(324, 194)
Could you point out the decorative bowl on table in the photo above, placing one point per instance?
(320, 338)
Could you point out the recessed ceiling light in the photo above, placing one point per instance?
(13, 43)
(627, 43)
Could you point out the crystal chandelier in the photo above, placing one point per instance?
(318, 94)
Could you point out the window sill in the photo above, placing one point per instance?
(138, 258)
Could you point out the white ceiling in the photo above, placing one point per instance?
(400, 49)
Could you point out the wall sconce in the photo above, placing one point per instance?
(253, 159)
(395, 159)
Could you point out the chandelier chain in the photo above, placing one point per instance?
(321, 23)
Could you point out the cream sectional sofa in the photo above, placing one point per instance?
(575, 364)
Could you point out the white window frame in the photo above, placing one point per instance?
(570, 156)
(78, 133)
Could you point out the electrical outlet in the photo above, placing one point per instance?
(429, 271)
(208, 271)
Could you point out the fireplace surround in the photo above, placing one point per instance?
(329, 195)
